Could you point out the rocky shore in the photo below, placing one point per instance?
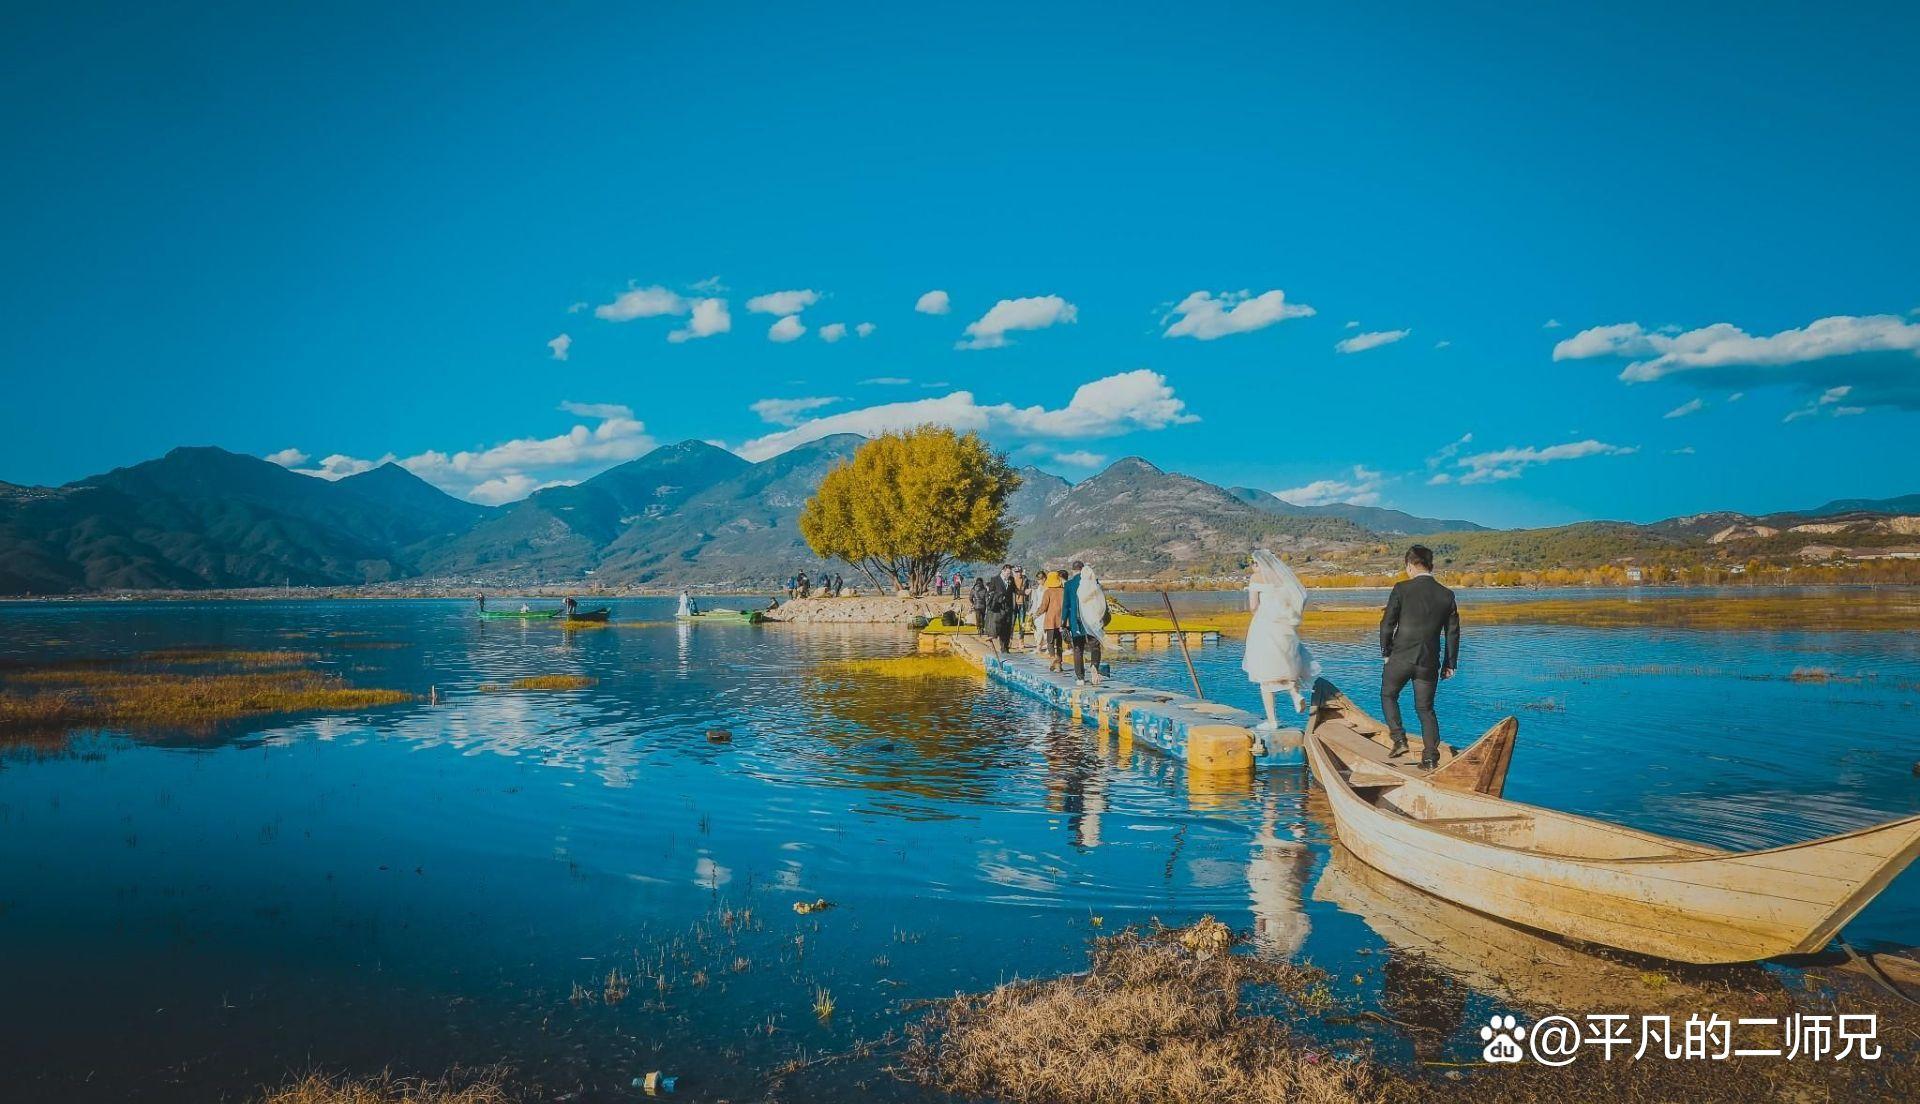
(865, 611)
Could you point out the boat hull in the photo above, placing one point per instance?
(1595, 882)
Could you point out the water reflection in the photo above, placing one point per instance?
(423, 885)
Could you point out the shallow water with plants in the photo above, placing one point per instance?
(537, 851)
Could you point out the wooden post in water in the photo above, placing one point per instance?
(1184, 653)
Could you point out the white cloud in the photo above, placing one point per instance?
(1033, 313)
(1875, 352)
(786, 329)
(1449, 450)
(1441, 344)
(933, 302)
(516, 468)
(1691, 406)
(560, 345)
(576, 308)
(1122, 403)
(783, 302)
(1360, 343)
(511, 488)
(1550, 324)
(1683, 450)
(596, 410)
(1362, 489)
(709, 286)
(1205, 317)
(787, 412)
(642, 302)
(287, 458)
(833, 331)
(887, 381)
(1490, 467)
(339, 466)
(1080, 458)
(709, 317)
(1830, 398)
(865, 329)
(1352, 325)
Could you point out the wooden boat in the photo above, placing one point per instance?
(1585, 879)
(1504, 960)
(519, 615)
(600, 614)
(725, 616)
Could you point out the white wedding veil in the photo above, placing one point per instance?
(1271, 570)
(1093, 604)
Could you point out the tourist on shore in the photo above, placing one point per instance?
(955, 587)
(1021, 598)
(1049, 616)
(806, 584)
(839, 584)
(1276, 660)
(978, 599)
(1419, 612)
(1003, 607)
(940, 586)
(1036, 594)
(1087, 617)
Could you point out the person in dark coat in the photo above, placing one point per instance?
(1420, 612)
(1002, 604)
(978, 598)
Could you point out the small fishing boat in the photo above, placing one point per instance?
(1585, 879)
(519, 615)
(726, 616)
(600, 614)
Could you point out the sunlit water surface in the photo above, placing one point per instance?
(191, 917)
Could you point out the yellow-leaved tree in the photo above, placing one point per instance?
(908, 505)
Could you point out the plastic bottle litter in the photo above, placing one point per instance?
(656, 1083)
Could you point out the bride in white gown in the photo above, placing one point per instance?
(1276, 659)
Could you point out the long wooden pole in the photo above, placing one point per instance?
(1184, 653)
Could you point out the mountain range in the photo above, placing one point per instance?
(693, 513)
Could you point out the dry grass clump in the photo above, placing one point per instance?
(541, 682)
(919, 665)
(1158, 1019)
(387, 1089)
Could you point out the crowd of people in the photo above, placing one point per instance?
(831, 584)
(1062, 608)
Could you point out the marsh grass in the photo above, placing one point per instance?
(1878, 610)
(541, 682)
(148, 692)
(227, 657)
(1159, 1018)
(918, 665)
(485, 1088)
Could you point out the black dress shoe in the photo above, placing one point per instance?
(1429, 764)
(1399, 747)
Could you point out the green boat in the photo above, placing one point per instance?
(728, 616)
(519, 615)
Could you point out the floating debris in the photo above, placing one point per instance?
(806, 907)
(656, 1083)
(719, 736)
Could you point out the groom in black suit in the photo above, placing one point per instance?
(1419, 611)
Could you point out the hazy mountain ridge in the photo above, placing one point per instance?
(202, 518)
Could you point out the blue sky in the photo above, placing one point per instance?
(353, 232)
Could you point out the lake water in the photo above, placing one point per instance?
(190, 918)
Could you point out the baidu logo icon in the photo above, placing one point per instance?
(1501, 1035)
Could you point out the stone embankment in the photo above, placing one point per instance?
(865, 611)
